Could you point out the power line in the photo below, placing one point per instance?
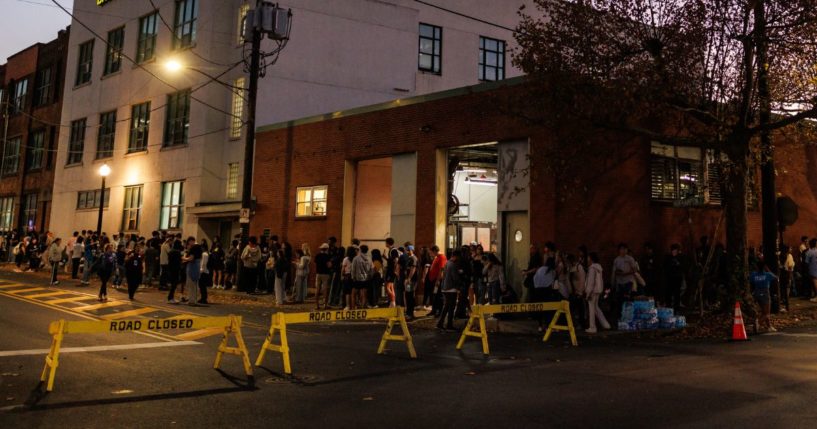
(95, 34)
(493, 24)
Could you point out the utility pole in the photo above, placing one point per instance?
(249, 143)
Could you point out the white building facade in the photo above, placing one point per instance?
(174, 138)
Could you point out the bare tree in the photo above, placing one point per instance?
(726, 75)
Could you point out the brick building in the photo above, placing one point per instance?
(31, 85)
(450, 168)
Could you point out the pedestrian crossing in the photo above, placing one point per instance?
(87, 306)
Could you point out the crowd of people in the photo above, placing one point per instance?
(425, 277)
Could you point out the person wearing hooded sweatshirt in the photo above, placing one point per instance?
(594, 286)
(361, 276)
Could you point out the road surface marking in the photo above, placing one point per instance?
(7, 286)
(98, 306)
(129, 313)
(74, 299)
(44, 295)
(33, 289)
(201, 333)
(99, 348)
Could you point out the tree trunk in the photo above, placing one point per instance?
(736, 221)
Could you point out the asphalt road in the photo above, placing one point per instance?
(137, 380)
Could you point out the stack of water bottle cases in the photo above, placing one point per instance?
(642, 315)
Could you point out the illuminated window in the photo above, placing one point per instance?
(139, 127)
(90, 199)
(30, 210)
(172, 205)
(6, 213)
(310, 201)
(242, 16)
(232, 180)
(237, 109)
(132, 208)
(177, 118)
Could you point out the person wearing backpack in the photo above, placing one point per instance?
(361, 277)
(105, 272)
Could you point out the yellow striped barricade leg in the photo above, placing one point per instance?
(231, 325)
(279, 324)
(564, 309)
(478, 317)
(240, 350)
(280, 321)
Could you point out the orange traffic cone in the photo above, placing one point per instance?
(738, 329)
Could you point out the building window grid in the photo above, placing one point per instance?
(76, 142)
(18, 103)
(177, 121)
(185, 25)
(113, 51)
(172, 211)
(11, 156)
(132, 208)
(232, 180)
(45, 80)
(236, 121)
(6, 214)
(430, 48)
(30, 211)
(310, 201)
(146, 42)
(491, 59)
(242, 16)
(139, 127)
(85, 63)
(90, 199)
(35, 150)
(686, 174)
(107, 135)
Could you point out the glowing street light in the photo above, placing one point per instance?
(104, 171)
(173, 65)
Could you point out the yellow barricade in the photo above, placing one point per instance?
(478, 313)
(231, 325)
(281, 320)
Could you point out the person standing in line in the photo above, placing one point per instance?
(346, 272)
(217, 264)
(205, 277)
(543, 282)
(193, 261)
(624, 270)
(323, 276)
(231, 258)
(478, 261)
(811, 264)
(467, 276)
(336, 288)
(450, 287)
(105, 271)
(119, 272)
(301, 274)
(152, 247)
(594, 286)
(376, 285)
(425, 259)
(361, 277)
(69, 250)
(494, 273)
(761, 280)
(268, 259)
(577, 279)
(164, 250)
(90, 260)
(411, 280)
(674, 272)
(534, 262)
(435, 278)
(281, 270)
(134, 267)
(54, 258)
(392, 255)
(805, 280)
(76, 256)
(250, 258)
(786, 276)
(33, 254)
(174, 268)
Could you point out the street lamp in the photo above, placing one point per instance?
(104, 171)
(172, 65)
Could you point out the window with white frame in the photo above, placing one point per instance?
(310, 201)
(187, 12)
(236, 121)
(242, 16)
(232, 180)
(686, 174)
(113, 51)
(132, 208)
(76, 142)
(172, 205)
(85, 63)
(177, 118)
(91, 199)
(146, 41)
(6, 213)
(107, 135)
(139, 127)
(431, 45)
